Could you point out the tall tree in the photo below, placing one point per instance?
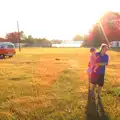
(2, 39)
(111, 24)
(13, 36)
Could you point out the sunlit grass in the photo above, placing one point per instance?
(51, 84)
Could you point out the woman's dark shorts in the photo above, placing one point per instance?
(97, 79)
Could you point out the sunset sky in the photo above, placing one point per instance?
(53, 19)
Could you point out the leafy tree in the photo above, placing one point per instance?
(13, 36)
(111, 26)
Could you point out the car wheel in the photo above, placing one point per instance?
(2, 56)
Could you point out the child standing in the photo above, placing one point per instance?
(92, 61)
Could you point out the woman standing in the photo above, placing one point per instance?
(97, 77)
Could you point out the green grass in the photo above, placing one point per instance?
(51, 84)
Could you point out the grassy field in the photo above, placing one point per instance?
(51, 84)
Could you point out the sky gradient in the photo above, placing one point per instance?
(53, 19)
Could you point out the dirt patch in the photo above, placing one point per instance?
(49, 69)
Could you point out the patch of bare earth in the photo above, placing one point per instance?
(49, 69)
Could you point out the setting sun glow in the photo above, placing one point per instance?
(53, 19)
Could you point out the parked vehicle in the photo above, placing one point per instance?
(7, 49)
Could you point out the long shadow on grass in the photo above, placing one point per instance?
(95, 110)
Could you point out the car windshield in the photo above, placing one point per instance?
(1, 46)
(10, 46)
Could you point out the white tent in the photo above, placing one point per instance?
(69, 44)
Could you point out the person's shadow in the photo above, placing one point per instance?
(95, 110)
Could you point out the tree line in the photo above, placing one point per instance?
(110, 22)
(14, 37)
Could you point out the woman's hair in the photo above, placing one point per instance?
(103, 46)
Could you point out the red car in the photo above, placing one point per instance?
(7, 49)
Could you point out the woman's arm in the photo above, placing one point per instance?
(101, 64)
